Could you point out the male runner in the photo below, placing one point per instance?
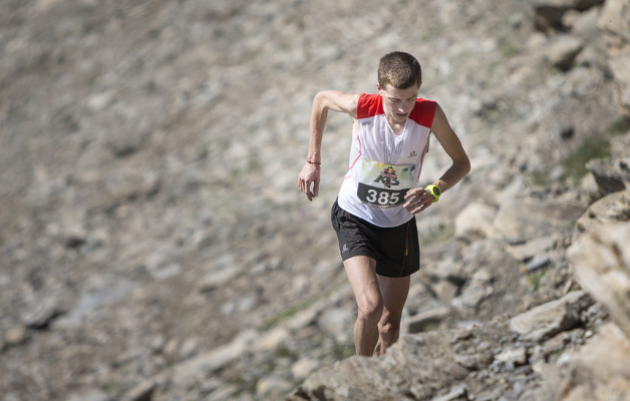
(374, 215)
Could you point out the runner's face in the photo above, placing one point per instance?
(398, 103)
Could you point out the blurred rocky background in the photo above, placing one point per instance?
(154, 245)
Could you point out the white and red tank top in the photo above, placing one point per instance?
(384, 166)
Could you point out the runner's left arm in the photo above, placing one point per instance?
(418, 199)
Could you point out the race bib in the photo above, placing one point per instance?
(384, 185)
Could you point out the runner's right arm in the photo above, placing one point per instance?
(323, 101)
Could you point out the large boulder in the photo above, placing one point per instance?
(548, 13)
(615, 21)
(621, 73)
(547, 320)
(601, 259)
(604, 365)
(597, 372)
(528, 218)
(613, 208)
(416, 367)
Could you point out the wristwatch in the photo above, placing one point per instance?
(435, 191)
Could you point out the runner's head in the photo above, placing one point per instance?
(399, 80)
(399, 70)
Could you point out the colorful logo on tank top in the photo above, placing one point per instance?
(388, 177)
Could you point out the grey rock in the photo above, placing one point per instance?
(161, 268)
(615, 18)
(603, 361)
(124, 144)
(303, 319)
(272, 339)
(228, 308)
(529, 218)
(15, 335)
(215, 280)
(446, 291)
(601, 260)
(118, 189)
(475, 291)
(423, 321)
(563, 51)
(620, 144)
(337, 320)
(531, 248)
(583, 23)
(537, 263)
(210, 385)
(565, 131)
(273, 387)
(142, 392)
(614, 208)
(103, 294)
(187, 371)
(549, 319)
(517, 356)
(170, 349)
(304, 367)
(457, 393)
(188, 348)
(45, 312)
(266, 266)
(610, 175)
(94, 395)
(594, 56)
(475, 361)
(475, 222)
(556, 342)
(549, 13)
(223, 393)
(407, 367)
(447, 269)
(247, 303)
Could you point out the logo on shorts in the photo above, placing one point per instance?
(345, 249)
(388, 177)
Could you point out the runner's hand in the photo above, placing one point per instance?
(308, 175)
(418, 199)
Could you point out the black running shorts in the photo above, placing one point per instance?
(396, 250)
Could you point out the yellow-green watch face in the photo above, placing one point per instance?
(434, 190)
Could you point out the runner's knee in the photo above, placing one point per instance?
(371, 311)
(389, 328)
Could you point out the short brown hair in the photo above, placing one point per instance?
(400, 70)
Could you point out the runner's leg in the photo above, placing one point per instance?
(364, 282)
(394, 292)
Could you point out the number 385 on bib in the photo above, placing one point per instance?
(382, 198)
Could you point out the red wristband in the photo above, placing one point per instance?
(310, 162)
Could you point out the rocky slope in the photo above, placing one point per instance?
(153, 243)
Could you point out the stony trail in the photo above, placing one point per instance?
(153, 242)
